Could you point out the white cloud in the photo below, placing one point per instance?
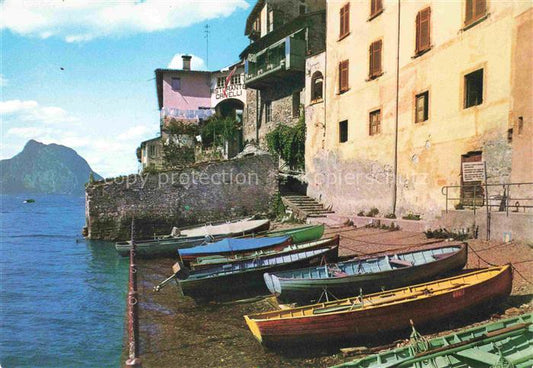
(31, 111)
(109, 154)
(137, 132)
(197, 63)
(84, 20)
(3, 81)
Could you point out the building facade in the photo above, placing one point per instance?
(412, 90)
(282, 35)
(189, 97)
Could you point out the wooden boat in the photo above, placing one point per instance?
(370, 274)
(508, 342)
(210, 261)
(384, 311)
(300, 234)
(238, 277)
(232, 246)
(191, 237)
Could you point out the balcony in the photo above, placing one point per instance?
(280, 60)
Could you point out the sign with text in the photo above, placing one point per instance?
(473, 171)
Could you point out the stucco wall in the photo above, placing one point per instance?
(429, 153)
(195, 90)
(205, 192)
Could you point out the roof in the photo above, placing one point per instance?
(150, 140)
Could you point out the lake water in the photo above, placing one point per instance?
(62, 299)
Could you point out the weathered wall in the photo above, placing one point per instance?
(206, 192)
(314, 118)
(429, 153)
(194, 93)
(281, 97)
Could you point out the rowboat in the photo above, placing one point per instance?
(507, 342)
(300, 234)
(370, 274)
(210, 261)
(191, 237)
(239, 277)
(230, 246)
(384, 311)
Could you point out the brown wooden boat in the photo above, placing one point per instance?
(382, 312)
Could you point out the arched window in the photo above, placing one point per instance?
(317, 84)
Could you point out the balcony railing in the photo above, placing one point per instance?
(282, 58)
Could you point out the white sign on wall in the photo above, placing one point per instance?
(473, 171)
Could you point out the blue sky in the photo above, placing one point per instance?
(103, 103)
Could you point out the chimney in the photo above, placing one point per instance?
(186, 62)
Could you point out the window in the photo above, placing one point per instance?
(344, 76)
(317, 84)
(423, 41)
(236, 79)
(422, 107)
(151, 150)
(376, 7)
(268, 111)
(176, 84)
(257, 25)
(474, 88)
(375, 123)
(343, 131)
(475, 10)
(303, 7)
(375, 60)
(270, 20)
(344, 21)
(296, 104)
(221, 82)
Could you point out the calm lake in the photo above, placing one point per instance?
(62, 299)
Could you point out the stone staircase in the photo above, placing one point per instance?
(303, 206)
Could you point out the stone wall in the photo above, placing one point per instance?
(202, 193)
(281, 97)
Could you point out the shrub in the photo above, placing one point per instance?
(390, 216)
(373, 212)
(289, 143)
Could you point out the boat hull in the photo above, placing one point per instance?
(306, 289)
(169, 247)
(481, 346)
(227, 286)
(392, 317)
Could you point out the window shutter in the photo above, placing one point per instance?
(423, 30)
(377, 57)
(417, 46)
(481, 8)
(469, 11)
(347, 18)
(341, 29)
(371, 61)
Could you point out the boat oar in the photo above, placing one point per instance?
(180, 272)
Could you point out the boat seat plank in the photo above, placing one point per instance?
(400, 262)
(478, 355)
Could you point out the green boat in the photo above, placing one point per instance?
(502, 344)
(168, 247)
(300, 234)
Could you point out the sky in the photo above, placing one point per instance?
(81, 72)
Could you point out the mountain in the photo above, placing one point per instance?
(45, 168)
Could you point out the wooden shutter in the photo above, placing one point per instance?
(375, 59)
(375, 7)
(469, 11)
(341, 29)
(344, 20)
(423, 24)
(343, 76)
(480, 8)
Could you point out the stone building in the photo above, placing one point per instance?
(412, 90)
(189, 97)
(282, 35)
